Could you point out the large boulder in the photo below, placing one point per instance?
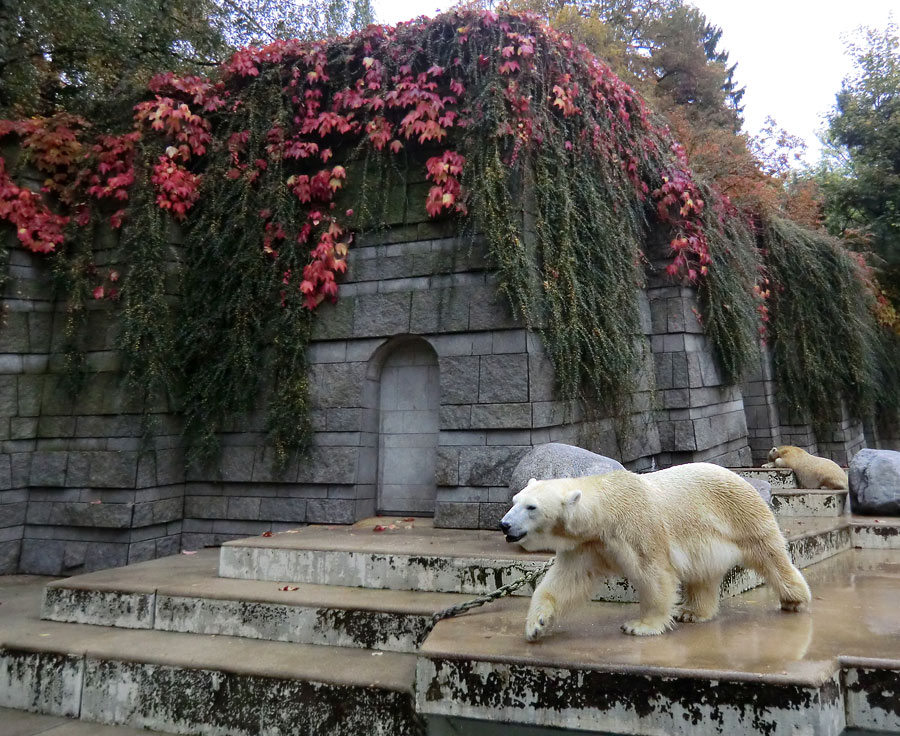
(875, 482)
(556, 460)
(763, 488)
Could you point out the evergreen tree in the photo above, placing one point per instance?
(862, 185)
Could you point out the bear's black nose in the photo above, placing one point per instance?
(504, 527)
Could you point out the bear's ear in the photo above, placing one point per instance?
(531, 482)
(573, 497)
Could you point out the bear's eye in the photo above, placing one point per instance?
(531, 507)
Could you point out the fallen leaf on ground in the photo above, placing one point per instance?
(378, 528)
(411, 518)
(289, 588)
(267, 534)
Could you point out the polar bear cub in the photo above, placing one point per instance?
(688, 525)
(811, 471)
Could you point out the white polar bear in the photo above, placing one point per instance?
(689, 524)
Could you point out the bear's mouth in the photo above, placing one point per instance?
(514, 537)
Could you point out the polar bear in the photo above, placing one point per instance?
(689, 524)
(811, 471)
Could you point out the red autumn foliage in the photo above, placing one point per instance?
(390, 97)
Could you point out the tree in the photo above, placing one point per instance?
(56, 54)
(79, 56)
(862, 183)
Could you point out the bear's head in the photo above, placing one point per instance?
(773, 454)
(537, 519)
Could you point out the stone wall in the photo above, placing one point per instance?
(75, 492)
(419, 315)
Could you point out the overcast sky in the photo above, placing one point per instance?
(790, 53)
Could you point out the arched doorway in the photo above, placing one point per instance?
(408, 403)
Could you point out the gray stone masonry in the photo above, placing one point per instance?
(701, 418)
(437, 432)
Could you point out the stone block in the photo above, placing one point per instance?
(9, 556)
(40, 331)
(455, 417)
(95, 515)
(12, 514)
(330, 511)
(268, 469)
(489, 514)
(330, 465)
(169, 466)
(243, 508)
(14, 334)
(31, 392)
(488, 466)
(6, 480)
(113, 469)
(23, 428)
(377, 315)
(503, 378)
(509, 341)
(283, 509)
(160, 511)
(344, 420)
(662, 367)
(489, 310)
(454, 515)
(78, 470)
(459, 379)
(205, 507)
(501, 416)
(236, 464)
(541, 378)
(48, 469)
(683, 436)
(447, 467)
(439, 311)
(337, 384)
(9, 396)
(333, 321)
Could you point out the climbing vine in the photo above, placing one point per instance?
(271, 167)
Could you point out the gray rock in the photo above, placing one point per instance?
(556, 460)
(875, 482)
(763, 487)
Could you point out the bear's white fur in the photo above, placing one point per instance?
(689, 524)
(811, 471)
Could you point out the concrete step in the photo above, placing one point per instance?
(473, 562)
(797, 502)
(753, 670)
(870, 532)
(183, 593)
(778, 478)
(198, 684)
(22, 723)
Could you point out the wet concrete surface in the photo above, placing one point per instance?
(854, 614)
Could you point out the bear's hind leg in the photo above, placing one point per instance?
(658, 592)
(769, 558)
(700, 601)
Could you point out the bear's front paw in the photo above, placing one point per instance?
(538, 625)
(792, 606)
(645, 628)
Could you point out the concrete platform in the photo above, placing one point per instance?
(174, 647)
(183, 593)
(20, 723)
(418, 557)
(752, 670)
(195, 684)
